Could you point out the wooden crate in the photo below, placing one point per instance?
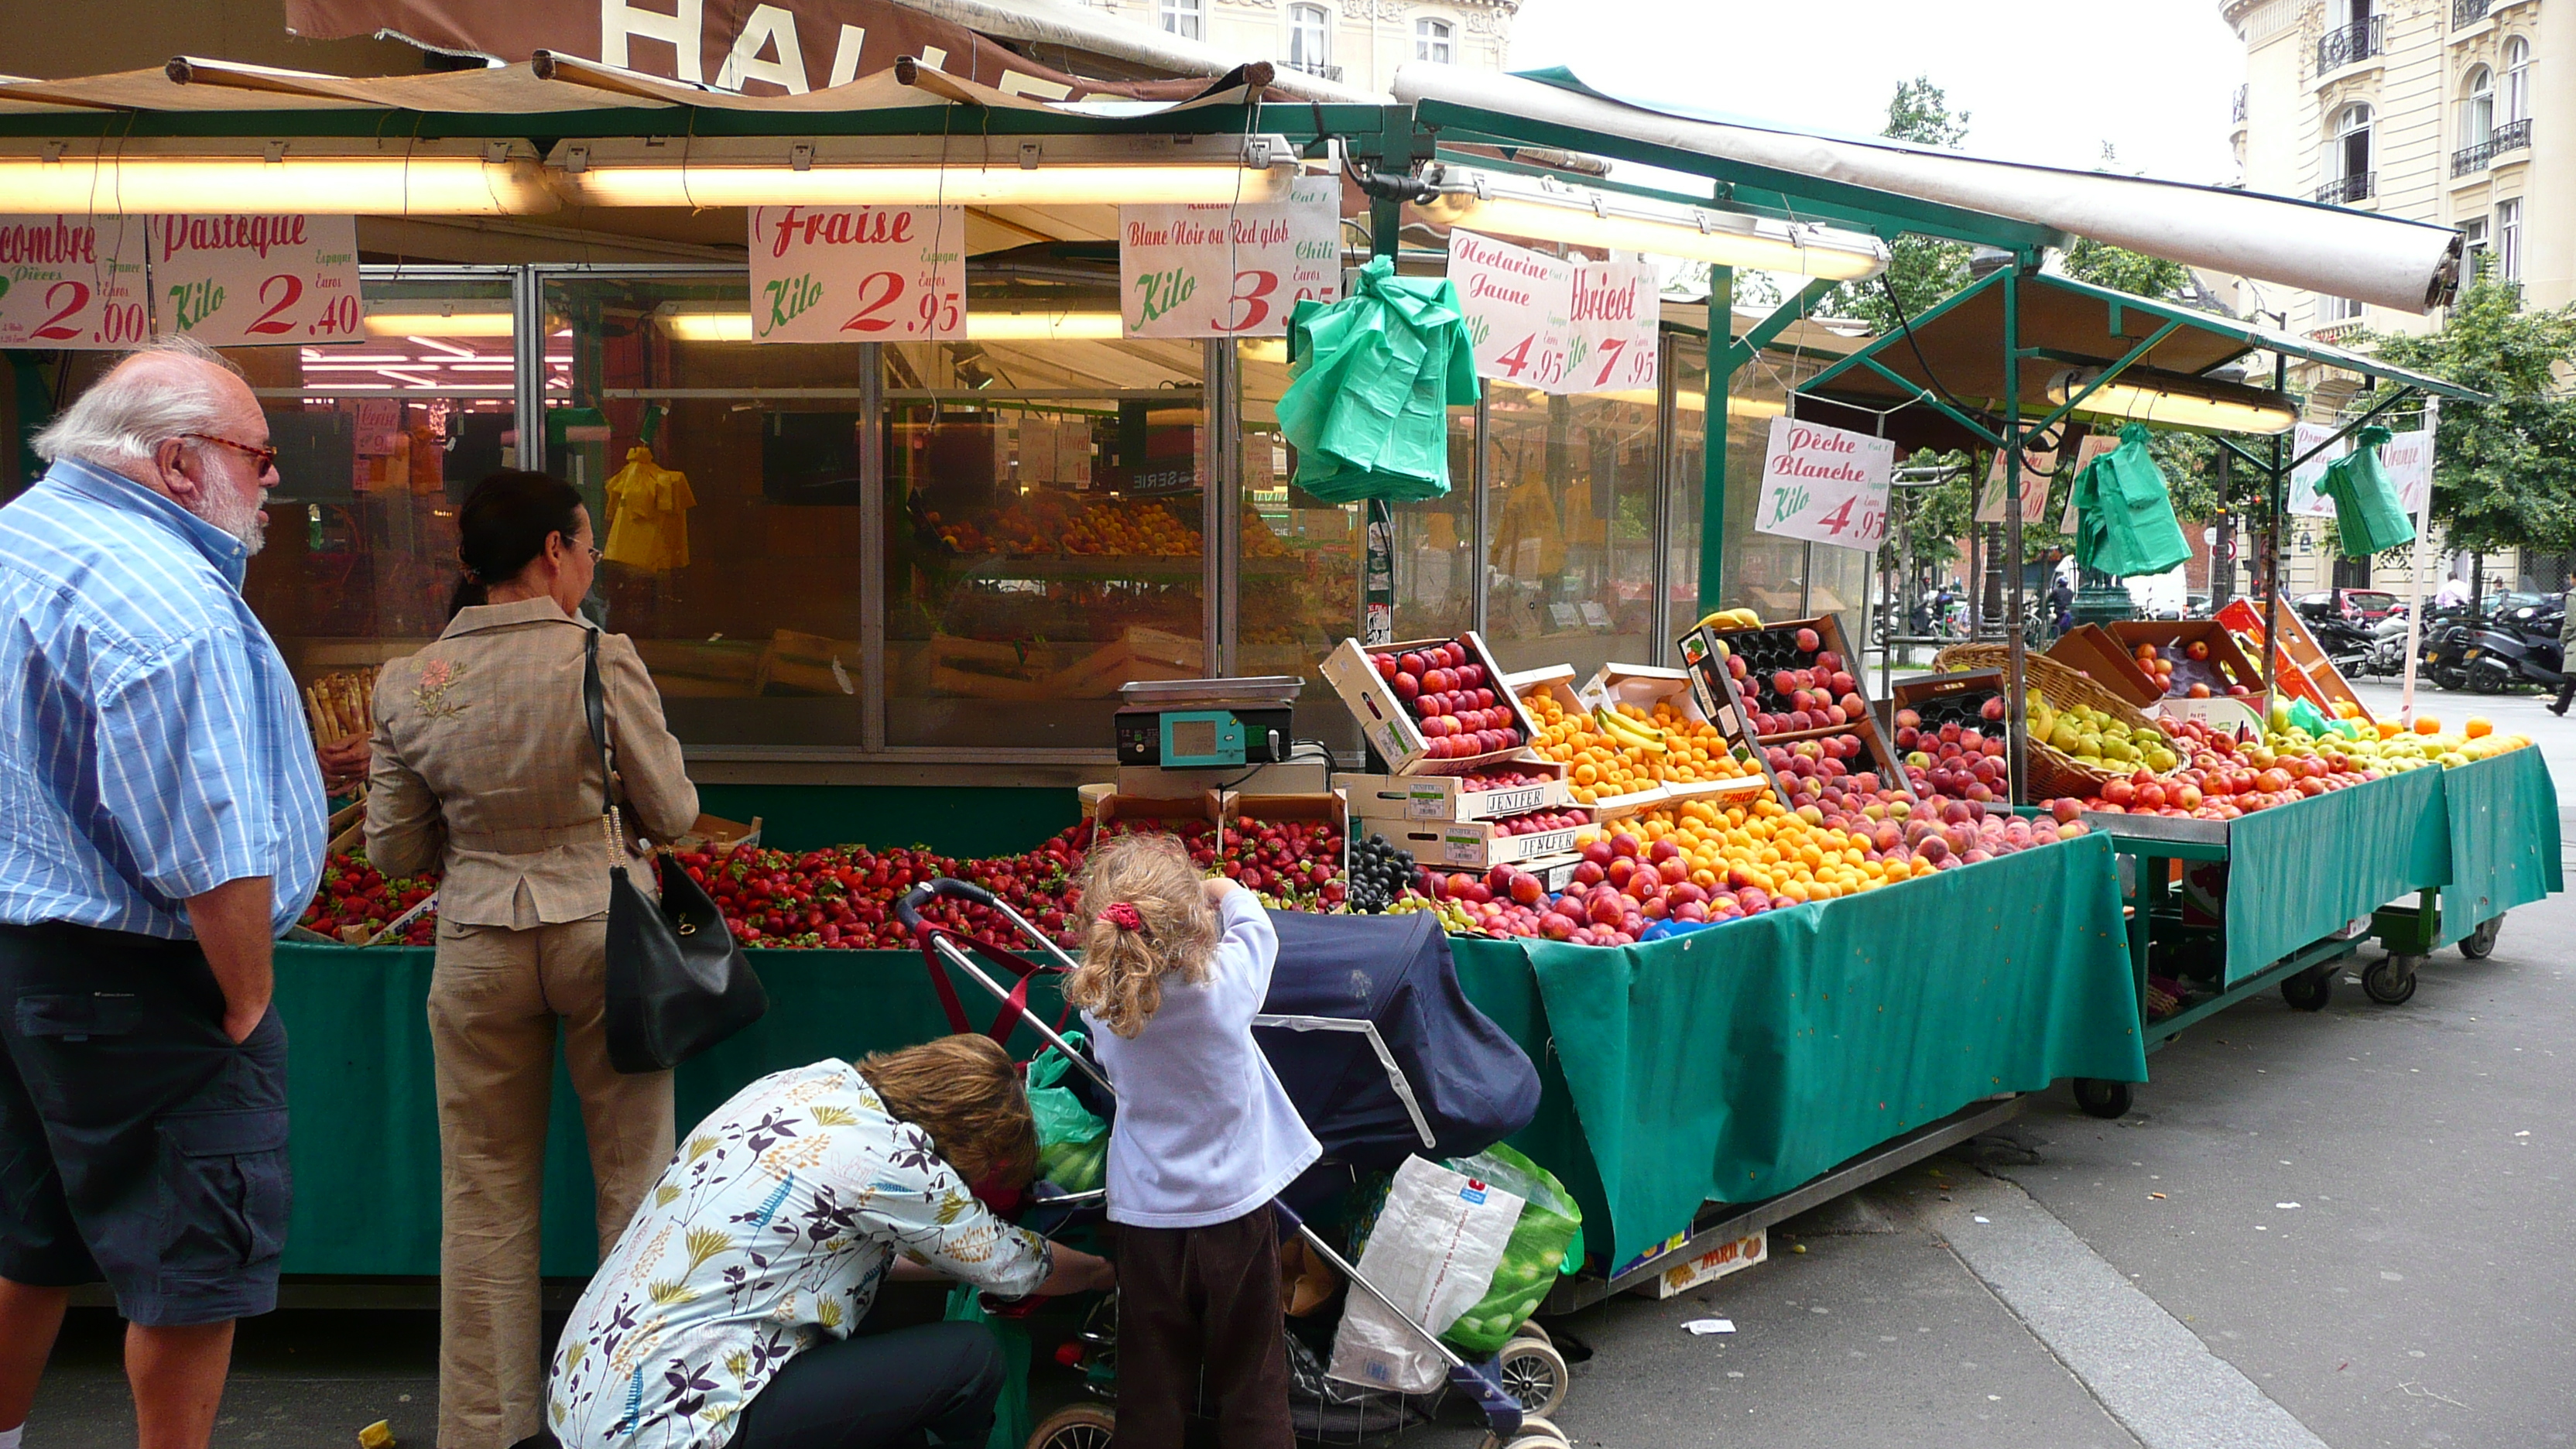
(2300, 665)
(1740, 700)
(2227, 665)
(2093, 650)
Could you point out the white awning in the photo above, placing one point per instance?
(2385, 261)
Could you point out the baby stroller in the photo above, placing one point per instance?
(1382, 1055)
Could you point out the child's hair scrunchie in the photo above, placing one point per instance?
(1124, 916)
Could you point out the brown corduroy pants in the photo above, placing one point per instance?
(1199, 1324)
(495, 999)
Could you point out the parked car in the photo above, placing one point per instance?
(2359, 606)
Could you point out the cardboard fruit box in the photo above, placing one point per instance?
(1939, 699)
(2300, 666)
(1766, 651)
(1394, 728)
(1646, 686)
(1450, 797)
(1475, 844)
(1557, 682)
(2091, 650)
(2225, 669)
(1235, 807)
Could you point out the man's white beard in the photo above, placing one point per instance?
(238, 517)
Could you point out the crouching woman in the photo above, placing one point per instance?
(731, 1312)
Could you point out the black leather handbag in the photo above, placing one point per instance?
(677, 983)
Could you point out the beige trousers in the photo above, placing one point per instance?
(494, 1000)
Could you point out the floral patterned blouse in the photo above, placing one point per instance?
(771, 1229)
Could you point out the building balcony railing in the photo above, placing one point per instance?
(2511, 136)
(2345, 190)
(2236, 111)
(1317, 68)
(2465, 13)
(2346, 44)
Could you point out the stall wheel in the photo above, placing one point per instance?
(2106, 1100)
(2479, 944)
(2390, 980)
(1076, 1426)
(1535, 1374)
(2311, 990)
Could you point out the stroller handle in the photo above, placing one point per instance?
(907, 908)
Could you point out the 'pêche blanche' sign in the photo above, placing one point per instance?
(1825, 484)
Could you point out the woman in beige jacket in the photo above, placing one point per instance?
(483, 765)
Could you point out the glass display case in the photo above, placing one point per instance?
(936, 550)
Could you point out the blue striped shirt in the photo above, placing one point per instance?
(152, 742)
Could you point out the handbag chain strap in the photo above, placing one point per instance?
(594, 701)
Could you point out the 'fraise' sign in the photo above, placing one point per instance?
(858, 273)
(1825, 485)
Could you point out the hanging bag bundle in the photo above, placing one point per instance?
(677, 982)
(2369, 516)
(2126, 525)
(1376, 375)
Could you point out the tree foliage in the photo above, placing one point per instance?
(1921, 270)
(2504, 472)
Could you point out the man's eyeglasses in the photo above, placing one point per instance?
(260, 458)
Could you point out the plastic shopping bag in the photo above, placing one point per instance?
(2125, 517)
(1433, 1254)
(1537, 1253)
(2369, 516)
(1375, 375)
(1011, 1423)
(1073, 1144)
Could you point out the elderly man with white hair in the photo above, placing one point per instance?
(161, 824)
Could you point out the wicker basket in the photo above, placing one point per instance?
(2049, 771)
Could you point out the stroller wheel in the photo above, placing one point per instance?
(1532, 1331)
(1535, 1374)
(1076, 1426)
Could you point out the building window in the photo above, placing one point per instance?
(2346, 162)
(1310, 38)
(2331, 310)
(1431, 41)
(2508, 245)
(2517, 80)
(2477, 108)
(1184, 18)
(2475, 258)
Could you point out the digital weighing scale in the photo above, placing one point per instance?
(1203, 724)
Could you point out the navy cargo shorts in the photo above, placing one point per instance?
(139, 1144)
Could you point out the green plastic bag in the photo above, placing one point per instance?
(1376, 375)
(2126, 524)
(1073, 1145)
(1541, 1248)
(2369, 516)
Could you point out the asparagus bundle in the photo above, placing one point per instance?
(341, 705)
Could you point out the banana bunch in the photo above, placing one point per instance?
(1628, 731)
(1729, 619)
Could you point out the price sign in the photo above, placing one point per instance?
(73, 282)
(858, 273)
(1825, 484)
(1518, 306)
(1615, 315)
(1229, 271)
(2407, 458)
(2037, 468)
(248, 281)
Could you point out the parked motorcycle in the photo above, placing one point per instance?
(2388, 646)
(2520, 647)
(2347, 645)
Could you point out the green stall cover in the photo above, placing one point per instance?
(1733, 1064)
(2299, 873)
(2369, 516)
(1376, 375)
(2502, 815)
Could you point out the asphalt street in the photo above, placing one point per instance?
(2344, 1228)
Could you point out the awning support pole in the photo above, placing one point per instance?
(2275, 505)
(1713, 433)
(2017, 724)
(2415, 568)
